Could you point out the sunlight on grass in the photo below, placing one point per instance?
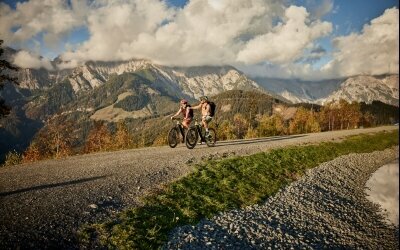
(220, 185)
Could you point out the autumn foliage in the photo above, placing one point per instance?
(55, 141)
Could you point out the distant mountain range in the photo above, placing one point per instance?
(144, 93)
(193, 82)
(363, 88)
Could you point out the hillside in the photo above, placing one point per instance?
(248, 103)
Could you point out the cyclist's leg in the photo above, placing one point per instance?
(186, 123)
(206, 120)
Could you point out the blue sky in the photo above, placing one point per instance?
(76, 38)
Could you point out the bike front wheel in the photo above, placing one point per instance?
(211, 139)
(173, 137)
(191, 138)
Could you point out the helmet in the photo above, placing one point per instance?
(184, 101)
(205, 98)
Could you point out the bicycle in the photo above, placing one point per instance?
(173, 134)
(196, 131)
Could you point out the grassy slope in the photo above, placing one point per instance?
(220, 185)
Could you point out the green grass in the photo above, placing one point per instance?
(221, 185)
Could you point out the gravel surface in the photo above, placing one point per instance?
(44, 203)
(327, 208)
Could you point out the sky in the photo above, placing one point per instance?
(303, 39)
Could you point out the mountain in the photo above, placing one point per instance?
(144, 95)
(362, 88)
(299, 91)
(367, 89)
(190, 82)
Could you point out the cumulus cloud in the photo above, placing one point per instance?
(25, 59)
(53, 18)
(287, 41)
(114, 25)
(374, 51)
(203, 32)
(259, 36)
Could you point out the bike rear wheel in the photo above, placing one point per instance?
(211, 139)
(173, 137)
(191, 138)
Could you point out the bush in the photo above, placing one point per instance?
(12, 158)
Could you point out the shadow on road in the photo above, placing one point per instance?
(256, 140)
(61, 184)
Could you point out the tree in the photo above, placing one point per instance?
(122, 138)
(32, 153)
(299, 122)
(312, 124)
(241, 125)
(54, 141)
(251, 133)
(368, 119)
(225, 131)
(99, 139)
(271, 125)
(4, 78)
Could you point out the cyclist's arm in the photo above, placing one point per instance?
(177, 113)
(196, 107)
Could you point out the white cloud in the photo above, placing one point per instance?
(25, 59)
(287, 41)
(374, 51)
(54, 18)
(203, 32)
(113, 25)
(258, 36)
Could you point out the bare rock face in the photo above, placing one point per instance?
(367, 89)
(193, 82)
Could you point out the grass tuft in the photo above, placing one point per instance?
(217, 186)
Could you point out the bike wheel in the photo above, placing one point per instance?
(212, 137)
(173, 137)
(191, 138)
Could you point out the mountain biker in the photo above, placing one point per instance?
(185, 110)
(205, 112)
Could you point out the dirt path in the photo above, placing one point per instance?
(42, 204)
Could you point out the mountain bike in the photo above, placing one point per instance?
(176, 134)
(196, 131)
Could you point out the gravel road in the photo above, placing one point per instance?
(327, 208)
(44, 203)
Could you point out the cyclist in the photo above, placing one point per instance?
(186, 111)
(205, 112)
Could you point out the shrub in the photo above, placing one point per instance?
(13, 158)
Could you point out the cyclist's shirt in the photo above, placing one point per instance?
(187, 115)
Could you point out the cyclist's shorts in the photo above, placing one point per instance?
(207, 118)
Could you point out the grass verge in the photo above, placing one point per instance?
(216, 186)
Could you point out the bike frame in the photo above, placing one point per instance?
(198, 129)
(180, 126)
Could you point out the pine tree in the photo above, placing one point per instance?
(4, 78)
